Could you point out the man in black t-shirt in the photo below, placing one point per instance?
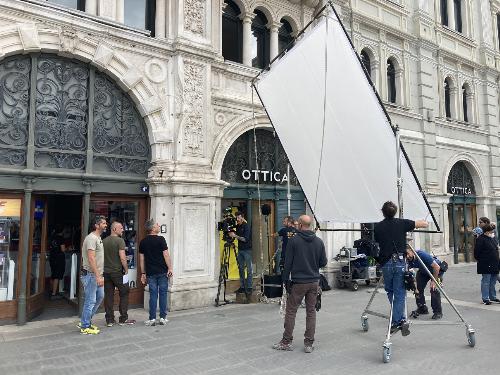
(287, 232)
(156, 267)
(244, 258)
(390, 234)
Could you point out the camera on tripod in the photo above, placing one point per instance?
(227, 225)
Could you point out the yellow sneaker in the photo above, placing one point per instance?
(79, 325)
(89, 331)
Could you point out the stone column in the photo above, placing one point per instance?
(160, 19)
(91, 7)
(453, 103)
(451, 14)
(274, 44)
(120, 11)
(247, 38)
(399, 75)
(23, 261)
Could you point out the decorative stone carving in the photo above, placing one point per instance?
(194, 254)
(29, 37)
(156, 70)
(103, 55)
(220, 118)
(194, 88)
(194, 16)
(132, 77)
(69, 40)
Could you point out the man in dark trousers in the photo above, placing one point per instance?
(244, 236)
(434, 266)
(390, 234)
(305, 256)
(115, 266)
(287, 232)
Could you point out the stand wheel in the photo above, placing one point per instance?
(367, 282)
(354, 286)
(364, 323)
(471, 339)
(386, 355)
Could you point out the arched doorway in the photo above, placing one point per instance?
(239, 169)
(72, 145)
(462, 215)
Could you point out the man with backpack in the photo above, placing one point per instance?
(437, 268)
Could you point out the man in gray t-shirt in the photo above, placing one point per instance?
(92, 275)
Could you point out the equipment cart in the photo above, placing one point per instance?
(355, 269)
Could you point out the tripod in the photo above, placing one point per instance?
(224, 271)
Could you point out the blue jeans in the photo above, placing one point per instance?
(488, 286)
(393, 272)
(158, 288)
(92, 298)
(245, 259)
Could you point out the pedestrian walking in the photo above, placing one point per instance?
(486, 254)
(115, 267)
(305, 256)
(156, 267)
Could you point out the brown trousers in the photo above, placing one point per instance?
(310, 291)
(112, 280)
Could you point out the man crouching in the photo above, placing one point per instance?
(305, 256)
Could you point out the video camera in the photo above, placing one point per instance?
(227, 225)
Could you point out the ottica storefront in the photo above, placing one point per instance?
(240, 171)
(72, 145)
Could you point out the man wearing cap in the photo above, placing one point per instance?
(433, 265)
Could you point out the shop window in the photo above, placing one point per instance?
(140, 14)
(391, 82)
(232, 32)
(444, 12)
(10, 221)
(458, 15)
(126, 213)
(75, 4)
(365, 59)
(285, 37)
(260, 41)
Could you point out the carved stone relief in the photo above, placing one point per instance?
(194, 16)
(155, 70)
(69, 40)
(193, 99)
(194, 217)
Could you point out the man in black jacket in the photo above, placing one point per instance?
(244, 236)
(305, 256)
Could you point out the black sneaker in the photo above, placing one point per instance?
(423, 310)
(437, 316)
(495, 300)
(486, 302)
(405, 328)
(394, 328)
(414, 314)
(240, 290)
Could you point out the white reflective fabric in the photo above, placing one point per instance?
(359, 171)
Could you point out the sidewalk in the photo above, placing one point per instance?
(237, 339)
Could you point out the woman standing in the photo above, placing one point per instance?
(486, 254)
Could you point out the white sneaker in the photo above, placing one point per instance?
(150, 323)
(163, 321)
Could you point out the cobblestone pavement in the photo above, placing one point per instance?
(237, 339)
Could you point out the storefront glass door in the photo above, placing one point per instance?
(10, 223)
(38, 246)
(462, 218)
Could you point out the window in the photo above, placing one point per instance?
(447, 98)
(10, 224)
(391, 81)
(140, 14)
(75, 4)
(444, 12)
(365, 59)
(467, 102)
(458, 15)
(260, 41)
(232, 32)
(285, 37)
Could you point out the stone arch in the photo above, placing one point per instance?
(28, 38)
(265, 8)
(230, 134)
(396, 61)
(291, 21)
(474, 169)
(243, 5)
(370, 51)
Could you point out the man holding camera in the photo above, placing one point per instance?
(244, 236)
(433, 265)
(305, 256)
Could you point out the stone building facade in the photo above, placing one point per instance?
(190, 82)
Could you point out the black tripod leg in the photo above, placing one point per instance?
(222, 277)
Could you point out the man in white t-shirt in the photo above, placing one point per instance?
(92, 275)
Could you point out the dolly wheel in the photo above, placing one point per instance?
(386, 354)
(364, 323)
(471, 339)
(354, 286)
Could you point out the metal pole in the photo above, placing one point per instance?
(399, 178)
(288, 194)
